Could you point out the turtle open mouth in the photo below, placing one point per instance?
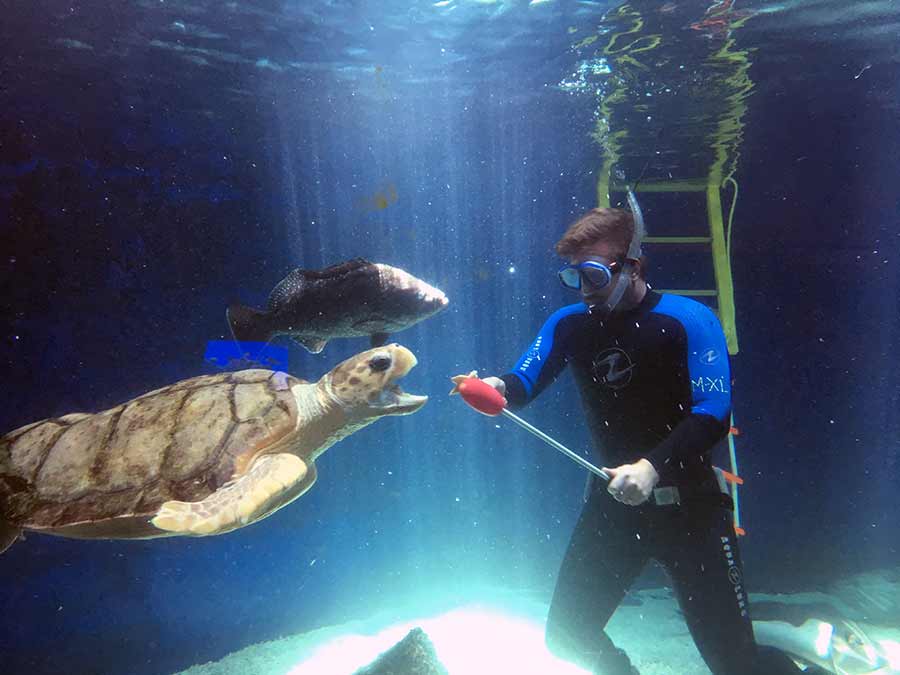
(393, 398)
(399, 402)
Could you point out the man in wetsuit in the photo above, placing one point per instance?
(653, 374)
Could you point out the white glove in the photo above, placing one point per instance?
(496, 383)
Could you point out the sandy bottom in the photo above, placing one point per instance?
(499, 633)
(496, 632)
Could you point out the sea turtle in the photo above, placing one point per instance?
(200, 457)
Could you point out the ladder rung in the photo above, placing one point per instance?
(690, 291)
(699, 185)
(677, 240)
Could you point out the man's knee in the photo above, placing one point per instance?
(597, 655)
(561, 646)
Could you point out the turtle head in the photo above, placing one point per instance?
(366, 386)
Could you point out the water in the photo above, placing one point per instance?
(160, 160)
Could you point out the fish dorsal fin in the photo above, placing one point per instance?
(299, 278)
(288, 287)
(338, 270)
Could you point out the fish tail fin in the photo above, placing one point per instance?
(248, 324)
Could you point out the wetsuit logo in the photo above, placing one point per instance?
(534, 354)
(612, 368)
(735, 576)
(709, 356)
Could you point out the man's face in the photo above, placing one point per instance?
(606, 254)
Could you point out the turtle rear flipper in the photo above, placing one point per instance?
(271, 482)
(8, 535)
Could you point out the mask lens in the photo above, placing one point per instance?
(596, 274)
(570, 277)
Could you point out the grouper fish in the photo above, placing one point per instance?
(356, 298)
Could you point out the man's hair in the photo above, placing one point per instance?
(613, 226)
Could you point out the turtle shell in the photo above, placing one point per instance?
(118, 466)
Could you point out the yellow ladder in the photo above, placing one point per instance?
(623, 50)
(716, 240)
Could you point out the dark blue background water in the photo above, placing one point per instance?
(141, 191)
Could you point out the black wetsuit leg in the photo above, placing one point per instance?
(602, 561)
(698, 548)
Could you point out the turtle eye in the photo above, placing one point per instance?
(380, 363)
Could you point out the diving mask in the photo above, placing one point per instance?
(593, 273)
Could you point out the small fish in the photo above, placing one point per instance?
(379, 201)
(352, 299)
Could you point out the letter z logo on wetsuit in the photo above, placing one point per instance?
(612, 368)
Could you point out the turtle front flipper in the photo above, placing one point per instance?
(271, 482)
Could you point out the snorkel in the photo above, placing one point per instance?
(634, 253)
(634, 249)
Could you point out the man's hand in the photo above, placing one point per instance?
(495, 382)
(632, 484)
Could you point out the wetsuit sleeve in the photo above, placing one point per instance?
(544, 360)
(710, 383)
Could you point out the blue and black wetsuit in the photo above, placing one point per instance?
(655, 384)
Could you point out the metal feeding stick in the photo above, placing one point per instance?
(485, 399)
